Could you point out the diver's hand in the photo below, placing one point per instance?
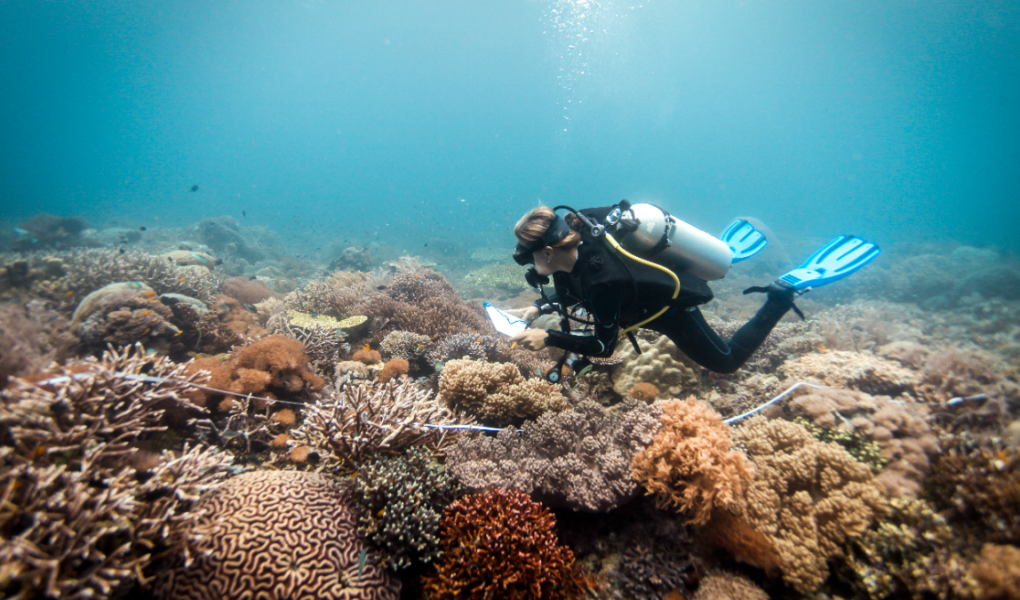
(527, 315)
(532, 339)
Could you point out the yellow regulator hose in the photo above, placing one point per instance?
(676, 292)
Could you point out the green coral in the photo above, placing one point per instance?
(862, 450)
(401, 500)
(499, 275)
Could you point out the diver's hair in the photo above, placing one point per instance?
(532, 226)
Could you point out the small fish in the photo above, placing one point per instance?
(478, 341)
(513, 345)
(585, 371)
(194, 188)
(180, 280)
(538, 371)
(449, 326)
(439, 366)
(425, 245)
(252, 278)
(122, 251)
(380, 287)
(368, 347)
(244, 215)
(361, 562)
(20, 231)
(142, 228)
(68, 293)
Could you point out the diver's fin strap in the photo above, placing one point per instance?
(764, 289)
(633, 342)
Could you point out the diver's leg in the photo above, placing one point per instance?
(695, 338)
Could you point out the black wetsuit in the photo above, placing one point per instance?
(619, 292)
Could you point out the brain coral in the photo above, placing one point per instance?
(277, 534)
(658, 364)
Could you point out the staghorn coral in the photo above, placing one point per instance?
(275, 534)
(660, 364)
(83, 509)
(689, 465)
(898, 427)
(406, 345)
(400, 500)
(980, 485)
(496, 392)
(910, 553)
(808, 498)
(841, 369)
(500, 544)
(723, 585)
(578, 458)
(996, 572)
(351, 423)
(248, 291)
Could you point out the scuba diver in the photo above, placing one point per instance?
(627, 266)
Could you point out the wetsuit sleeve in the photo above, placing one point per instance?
(605, 311)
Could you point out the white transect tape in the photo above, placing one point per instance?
(150, 379)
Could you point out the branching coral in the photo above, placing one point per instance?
(689, 464)
(275, 534)
(808, 498)
(82, 511)
(338, 295)
(352, 423)
(89, 270)
(579, 458)
(497, 392)
(899, 428)
(400, 501)
(500, 544)
(406, 345)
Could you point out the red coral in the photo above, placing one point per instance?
(248, 291)
(500, 544)
(393, 368)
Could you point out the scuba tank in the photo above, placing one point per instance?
(652, 233)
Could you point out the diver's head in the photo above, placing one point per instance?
(545, 238)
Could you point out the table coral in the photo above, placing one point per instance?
(659, 363)
(497, 393)
(808, 498)
(689, 464)
(578, 458)
(276, 534)
(500, 544)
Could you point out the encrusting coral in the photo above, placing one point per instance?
(807, 497)
(84, 510)
(352, 423)
(497, 393)
(578, 458)
(275, 534)
(500, 544)
(690, 465)
(400, 500)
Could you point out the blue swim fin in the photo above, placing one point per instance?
(837, 259)
(743, 239)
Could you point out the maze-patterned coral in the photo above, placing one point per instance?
(278, 534)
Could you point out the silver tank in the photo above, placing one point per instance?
(690, 249)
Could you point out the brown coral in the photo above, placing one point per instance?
(248, 291)
(689, 465)
(807, 497)
(275, 362)
(644, 391)
(997, 572)
(395, 367)
(497, 393)
(367, 356)
(723, 585)
(276, 534)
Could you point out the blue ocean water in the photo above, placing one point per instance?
(414, 122)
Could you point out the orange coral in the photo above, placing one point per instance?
(285, 417)
(729, 531)
(393, 368)
(690, 465)
(644, 391)
(366, 356)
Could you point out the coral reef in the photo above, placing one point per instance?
(500, 544)
(497, 393)
(898, 427)
(128, 316)
(83, 508)
(223, 235)
(400, 501)
(89, 270)
(996, 572)
(652, 570)
(689, 465)
(980, 485)
(660, 364)
(723, 585)
(842, 369)
(505, 277)
(352, 423)
(248, 291)
(49, 231)
(275, 534)
(406, 345)
(31, 337)
(578, 458)
(807, 497)
(339, 295)
(395, 367)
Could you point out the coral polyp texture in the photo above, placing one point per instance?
(578, 458)
(497, 393)
(500, 544)
(275, 534)
(807, 498)
(690, 465)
